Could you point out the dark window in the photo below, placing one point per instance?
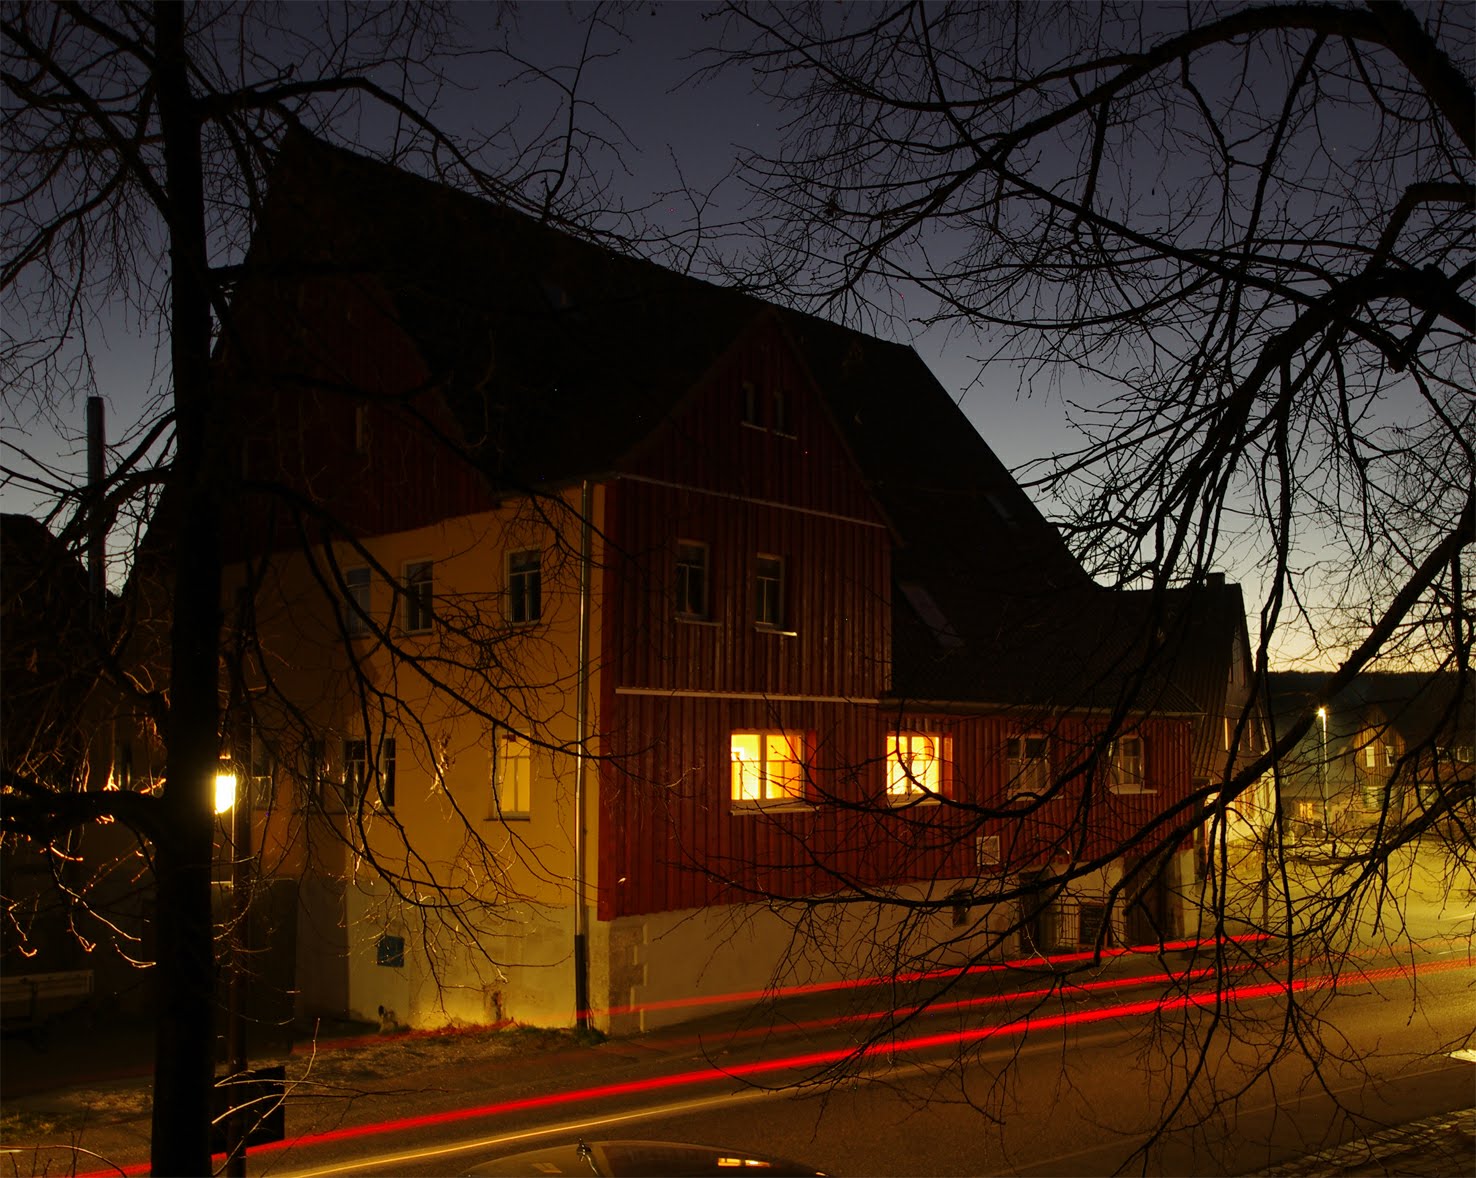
(525, 585)
(691, 580)
(1027, 765)
(390, 951)
(356, 601)
(355, 771)
(780, 403)
(420, 596)
(768, 592)
(750, 404)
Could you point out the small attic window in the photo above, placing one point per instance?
(1002, 509)
(927, 609)
(749, 404)
(558, 298)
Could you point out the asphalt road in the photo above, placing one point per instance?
(1084, 1092)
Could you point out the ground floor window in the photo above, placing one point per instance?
(768, 767)
(915, 764)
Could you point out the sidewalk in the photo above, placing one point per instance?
(1437, 1147)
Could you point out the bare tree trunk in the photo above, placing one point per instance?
(184, 1063)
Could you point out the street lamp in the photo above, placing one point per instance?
(225, 787)
(1322, 771)
(238, 803)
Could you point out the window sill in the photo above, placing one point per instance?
(785, 807)
(764, 628)
(906, 801)
(508, 818)
(694, 620)
(1129, 790)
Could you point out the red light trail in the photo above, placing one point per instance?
(831, 1057)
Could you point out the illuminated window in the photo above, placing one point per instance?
(1127, 765)
(915, 763)
(691, 580)
(525, 586)
(1027, 766)
(1371, 755)
(420, 596)
(512, 777)
(356, 600)
(768, 767)
(768, 592)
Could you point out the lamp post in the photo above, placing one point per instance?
(1322, 772)
(228, 796)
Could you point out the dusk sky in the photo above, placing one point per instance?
(641, 87)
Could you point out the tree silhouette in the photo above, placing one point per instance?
(138, 139)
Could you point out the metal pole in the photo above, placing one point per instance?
(237, 1058)
(97, 532)
(581, 758)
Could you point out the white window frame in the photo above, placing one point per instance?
(359, 771)
(756, 782)
(686, 550)
(525, 586)
(1027, 776)
(419, 589)
(906, 781)
(358, 600)
(1128, 774)
(768, 591)
(512, 777)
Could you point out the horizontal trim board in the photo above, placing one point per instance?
(670, 486)
(675, 693)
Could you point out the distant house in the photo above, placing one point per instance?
(612, 640)
(1391, 751)
(65, 730)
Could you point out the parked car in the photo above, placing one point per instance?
(641, 1159)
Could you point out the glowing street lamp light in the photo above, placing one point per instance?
(225, 788)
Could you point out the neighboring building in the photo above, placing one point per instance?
(72, 894)
(1391, 750)
(612, 638)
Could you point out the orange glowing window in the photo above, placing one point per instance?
(768, 767)
(915, 764)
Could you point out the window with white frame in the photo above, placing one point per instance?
(691, 579)
(1371, 755)
(371, 781)
(1126, 775)
(313, 772)
(420, 596)
(1027, 765)
(779, 423)
(768, 767)
(356, 600)
(525, 586)
(512, 776)
(915, 764)
(768, 592)
(261, 770)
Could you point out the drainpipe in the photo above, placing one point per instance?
(97, 532)
(581, 759)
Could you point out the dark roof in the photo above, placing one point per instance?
(578, 352)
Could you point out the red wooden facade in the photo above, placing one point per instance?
(674, 689)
